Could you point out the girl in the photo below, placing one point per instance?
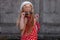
(27, 22)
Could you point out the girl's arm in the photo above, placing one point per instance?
(37, 25)
(23, 22)
(36, 21)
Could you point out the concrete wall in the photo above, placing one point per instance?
(50, 17)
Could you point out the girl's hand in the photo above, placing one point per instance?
(36, 16)
(22, 24)
(23, 14)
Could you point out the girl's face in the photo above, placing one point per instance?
(27, 8)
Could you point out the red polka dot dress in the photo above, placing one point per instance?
(33, 35)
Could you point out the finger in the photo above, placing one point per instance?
(23, 13)
(37, 15)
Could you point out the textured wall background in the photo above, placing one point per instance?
(50, 17)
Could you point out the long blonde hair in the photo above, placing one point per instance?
(30, 22)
